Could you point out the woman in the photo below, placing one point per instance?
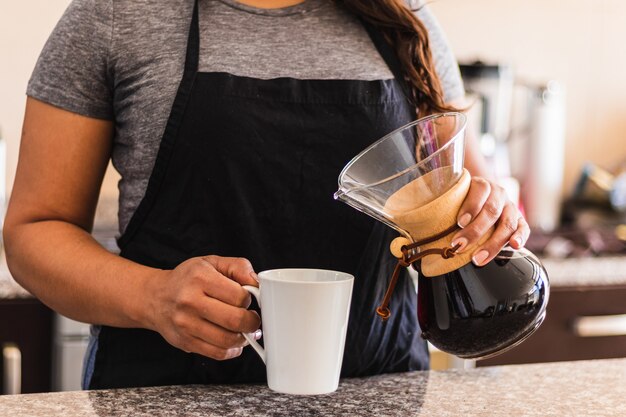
(229, 122)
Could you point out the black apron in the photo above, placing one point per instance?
(248, 168)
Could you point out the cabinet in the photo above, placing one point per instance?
(582, 322)
(27, 324)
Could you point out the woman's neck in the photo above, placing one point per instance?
(270, 4)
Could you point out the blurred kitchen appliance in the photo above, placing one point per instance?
(70, 344)
(491, 88)
(522, 135)
(537, 153)
(11, 369)
(601, 187)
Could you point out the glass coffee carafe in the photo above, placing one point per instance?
(413, 180)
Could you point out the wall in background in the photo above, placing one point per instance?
(24, 28)
(579, 43)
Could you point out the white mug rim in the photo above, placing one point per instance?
(342, 277)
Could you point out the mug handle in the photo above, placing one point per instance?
(250, 336)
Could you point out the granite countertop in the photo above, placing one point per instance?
(586, 388)
(577, 272)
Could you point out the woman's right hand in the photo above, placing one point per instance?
(201, 307)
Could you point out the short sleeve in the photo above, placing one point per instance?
(72, 71)
(446, 65)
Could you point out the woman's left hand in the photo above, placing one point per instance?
(487, 205)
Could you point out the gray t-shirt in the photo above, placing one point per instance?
(122, 60)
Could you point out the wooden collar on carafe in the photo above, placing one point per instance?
(432, 228)
(409, 257)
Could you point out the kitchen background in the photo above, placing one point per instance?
(578, 44)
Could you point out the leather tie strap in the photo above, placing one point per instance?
(409, 257)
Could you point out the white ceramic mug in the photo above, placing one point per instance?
(305, 318)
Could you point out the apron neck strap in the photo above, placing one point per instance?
(193, 42)
(383, 47)
(389, 55)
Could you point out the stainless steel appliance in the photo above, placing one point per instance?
(69, 347)
(491, 87)
(521, 127)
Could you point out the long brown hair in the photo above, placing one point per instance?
(409, 37)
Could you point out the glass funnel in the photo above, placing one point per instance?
(432, 146)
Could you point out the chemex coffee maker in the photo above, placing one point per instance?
(413, 180)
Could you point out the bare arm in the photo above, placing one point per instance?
(199, 306)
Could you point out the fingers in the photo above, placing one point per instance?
(192, 334)
(213, 334)
(507, 226)
(477, 195)
(231, 318)
(483, 207)
(214, 283)
(206, 349)
(212, 328)
(237, 269)
(218, 352)
(202, 306)
(521, 235)
(213, 297)
(487, 205)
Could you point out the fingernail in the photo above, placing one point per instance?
(258, 334)
(518, 241)
(459, 241)
(254, 276)
(480, 257)
(464, 220)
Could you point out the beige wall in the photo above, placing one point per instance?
(581, 43)
(578, 42)
(24, 28)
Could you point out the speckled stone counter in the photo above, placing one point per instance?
(589, 388)
(577, 272)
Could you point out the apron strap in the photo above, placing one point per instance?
(193, 42)
(171, 131)
(390, 57)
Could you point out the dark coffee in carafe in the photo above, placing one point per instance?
(476, 312)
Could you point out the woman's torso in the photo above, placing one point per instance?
(141, 56)
(133, 60)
